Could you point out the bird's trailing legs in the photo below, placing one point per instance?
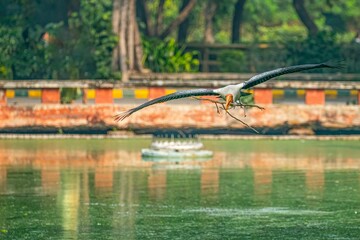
(247, 125)
(243, 106)
(229, 103)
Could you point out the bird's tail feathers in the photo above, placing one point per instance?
(338, 64)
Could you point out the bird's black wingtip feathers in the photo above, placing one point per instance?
(338, 64)
(121, 116)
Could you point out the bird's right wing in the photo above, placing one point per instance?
(262, 77)
(169, 97)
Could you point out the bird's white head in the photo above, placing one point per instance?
(229, 93)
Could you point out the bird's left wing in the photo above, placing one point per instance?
(262, 77)
(169, 97)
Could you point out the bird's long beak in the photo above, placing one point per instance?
(229, 100)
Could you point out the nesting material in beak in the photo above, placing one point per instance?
(229, 100)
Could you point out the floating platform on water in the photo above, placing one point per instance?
(173, 154)
(176, 149)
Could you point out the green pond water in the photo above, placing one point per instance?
(102, 189)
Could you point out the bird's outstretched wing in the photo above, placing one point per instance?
(262, 77)
(169, 97)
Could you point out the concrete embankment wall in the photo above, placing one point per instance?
(279, 118)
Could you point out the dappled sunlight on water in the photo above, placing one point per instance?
(103, 189)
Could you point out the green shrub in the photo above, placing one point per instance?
(83, 48)
(20, 57)
(319, 48)
(85, 45)
(68, 95)
(232, 61)
(167, 56)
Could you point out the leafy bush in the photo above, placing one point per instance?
(85, 46)
(8, 45)
(68, 95)
(232, 61)
(81, 49)
(21, 57)
(91, 39)
(167, 56)
(319, 48)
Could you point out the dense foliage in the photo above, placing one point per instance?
(80, 48)
(75, 40)
(167, 56)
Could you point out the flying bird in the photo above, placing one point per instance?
(231, 94)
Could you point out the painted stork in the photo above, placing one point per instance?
(230, 94)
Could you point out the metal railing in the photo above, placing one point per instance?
(260, 57)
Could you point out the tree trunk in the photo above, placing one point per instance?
(144, 16)
(138, 48)
(180, 18)
(122, 41)
(236, 23)
(115, 26)
(159, 17)
(184, 26)
(129, 48)
(305, 17)
(210, 10)
(130, 34)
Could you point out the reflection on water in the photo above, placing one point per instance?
(102, 189)
(70, 194)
